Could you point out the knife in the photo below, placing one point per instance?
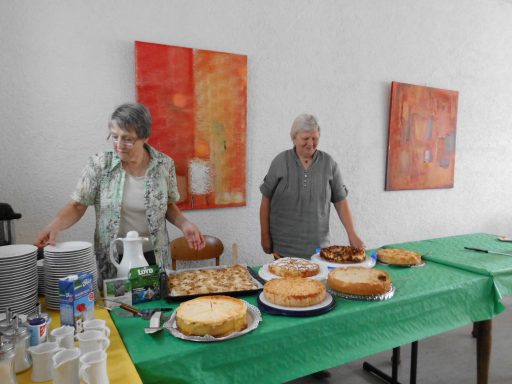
(487, 251)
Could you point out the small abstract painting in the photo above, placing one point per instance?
(198, 103)
(421, 138)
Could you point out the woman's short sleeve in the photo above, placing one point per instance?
(271, 179)
(338, 189)
(88, 184)
(172, 186)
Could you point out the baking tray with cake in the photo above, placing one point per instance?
(314, 310)
(233, 280)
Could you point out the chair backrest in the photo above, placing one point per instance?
(276, 255)
(181, 251)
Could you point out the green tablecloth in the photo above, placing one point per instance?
(429, 300)
(450, 251)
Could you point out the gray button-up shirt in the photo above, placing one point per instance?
(300, 202)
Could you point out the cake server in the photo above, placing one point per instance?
(487, 251)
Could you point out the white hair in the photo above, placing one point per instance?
(304, 123)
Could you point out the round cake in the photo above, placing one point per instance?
(343, 254)
(293, 267)
(399, 256)
(294, 292)
(359, 281)
(211, 315)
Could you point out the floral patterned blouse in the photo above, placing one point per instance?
(102, 183)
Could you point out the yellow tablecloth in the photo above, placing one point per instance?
(119, 365)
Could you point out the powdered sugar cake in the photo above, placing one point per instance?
(294, 267)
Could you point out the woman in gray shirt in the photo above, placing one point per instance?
(297, 193)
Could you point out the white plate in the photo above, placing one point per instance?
(266, 275)
(254, 318)
(68, 246)
(17, 250)
(325, 303)
(369, 262)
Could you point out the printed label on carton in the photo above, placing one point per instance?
(76, 296)
(145, 283)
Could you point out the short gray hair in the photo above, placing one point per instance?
(304, 123)
(132, 116)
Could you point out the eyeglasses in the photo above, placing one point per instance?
(123, 142)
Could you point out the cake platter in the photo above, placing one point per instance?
(313, 310)
(385, 296)
(369, 262)
(266, 275)
(422, 264)
(253, 320)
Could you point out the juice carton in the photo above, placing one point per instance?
(145, 282)
(76, 295)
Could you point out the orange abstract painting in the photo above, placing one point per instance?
(198, 102)
(421, 138)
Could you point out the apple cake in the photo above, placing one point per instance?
(359, 281)
(206, 281)
(217, 316)
(293, 267)
(398, 256)
(294, 292)
(343, 254)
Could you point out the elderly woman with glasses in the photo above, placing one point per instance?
(297, 193)
(132, 187)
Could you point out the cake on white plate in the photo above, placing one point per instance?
(343, 254)
(359, 281)
(294, 292)
(217, 316)
(293, 267)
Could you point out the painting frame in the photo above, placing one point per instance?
(421, 137)
(198, 102)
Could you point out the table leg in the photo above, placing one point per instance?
(483, 350)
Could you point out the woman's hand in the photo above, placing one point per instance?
(47, 236)
(193, 235)
(266, 244)
(356, 242)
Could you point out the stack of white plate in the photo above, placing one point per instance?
(40, 277)
(64, 259)
(18, 278)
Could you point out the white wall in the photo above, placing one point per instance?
(65, 65)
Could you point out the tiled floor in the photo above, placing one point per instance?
(449, 358)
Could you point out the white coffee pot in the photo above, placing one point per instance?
(133, 256)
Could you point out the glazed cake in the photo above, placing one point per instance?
(217, 316)
(294, 292)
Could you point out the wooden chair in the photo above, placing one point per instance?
(276, 255)
(181, 251)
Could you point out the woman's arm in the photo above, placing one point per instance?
(345, 216)
(194, 237)
(66, 217)
(266, 238)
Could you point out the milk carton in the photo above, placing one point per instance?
(76, 295)
(145, 282)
